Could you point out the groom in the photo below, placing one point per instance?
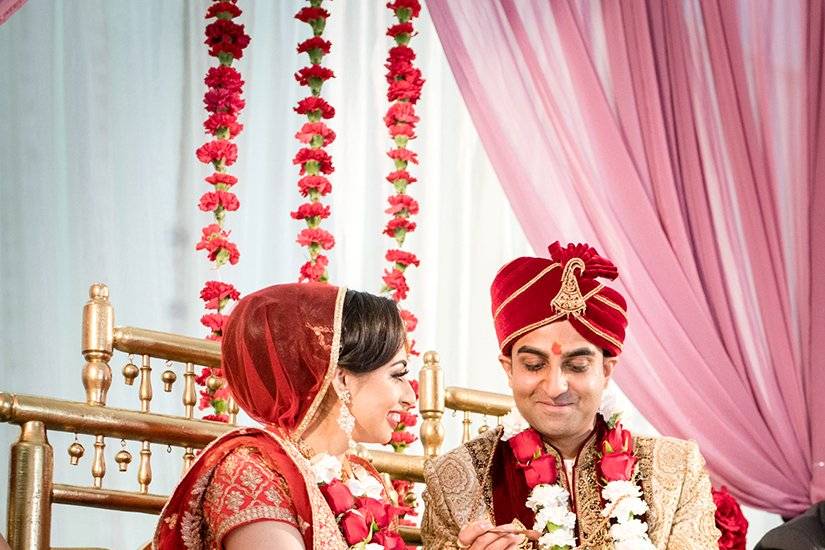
(559, 467)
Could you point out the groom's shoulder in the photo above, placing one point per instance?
(668, 456)
(667, 446)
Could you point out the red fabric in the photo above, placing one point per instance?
(532, 306)
(276, 351)
(510, 489)
(189, 494)
(247, 483)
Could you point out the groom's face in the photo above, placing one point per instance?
(557, 378)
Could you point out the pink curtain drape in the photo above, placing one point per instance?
(685, 139)
(8, 7)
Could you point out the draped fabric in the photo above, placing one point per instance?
(8, 7)
(279, 352)
(685, 141)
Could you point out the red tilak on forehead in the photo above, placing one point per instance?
(556, 349)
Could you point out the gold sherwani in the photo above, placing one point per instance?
(676, 488)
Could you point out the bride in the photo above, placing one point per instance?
(318, 367)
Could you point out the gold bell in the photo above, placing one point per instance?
(214, 383)
(168, 378)
(130, 372)
(123, 458)
(76, 451)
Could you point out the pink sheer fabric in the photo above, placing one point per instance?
(8, 7)
(686, 140)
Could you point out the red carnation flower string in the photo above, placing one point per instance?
(315, 108)
(226, 40)
(312, 159)
(404, 84)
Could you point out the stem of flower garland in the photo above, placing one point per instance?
(315, 163)
(226, 41)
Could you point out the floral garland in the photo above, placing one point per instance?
(315, 163)
(226, 41)
(623, 502)
(730, 521)
(366, 520)
(404, 91)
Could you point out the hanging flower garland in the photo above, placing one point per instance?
(404, 90)
(366, 520)
(624, 505)
(315, 163)
(226, 41)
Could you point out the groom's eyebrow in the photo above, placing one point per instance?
(579, 352)
(533, 351)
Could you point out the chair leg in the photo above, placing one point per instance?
(30, 489)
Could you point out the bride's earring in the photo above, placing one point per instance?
(345, 419)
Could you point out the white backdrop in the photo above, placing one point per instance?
(101, 109)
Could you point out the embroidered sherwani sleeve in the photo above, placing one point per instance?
(694, 524)
(438, 528)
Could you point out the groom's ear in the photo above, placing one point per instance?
(507, 365)
(607, 368)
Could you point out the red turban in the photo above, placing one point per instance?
(528, 293)
(279, 351)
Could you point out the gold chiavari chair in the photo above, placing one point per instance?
(33, 489)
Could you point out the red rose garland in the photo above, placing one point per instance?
(226, 41)
(315, 163)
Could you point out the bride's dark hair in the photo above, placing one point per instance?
(372, 332)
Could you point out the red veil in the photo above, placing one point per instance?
(279, 352)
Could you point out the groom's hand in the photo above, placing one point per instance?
(477, 536)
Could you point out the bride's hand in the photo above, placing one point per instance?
(478, 536)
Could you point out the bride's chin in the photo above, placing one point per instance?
(381, 439)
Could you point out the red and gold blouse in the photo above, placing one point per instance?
(245, 488)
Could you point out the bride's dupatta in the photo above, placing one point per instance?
(279, 353)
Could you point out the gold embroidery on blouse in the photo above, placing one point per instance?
(273, 513)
